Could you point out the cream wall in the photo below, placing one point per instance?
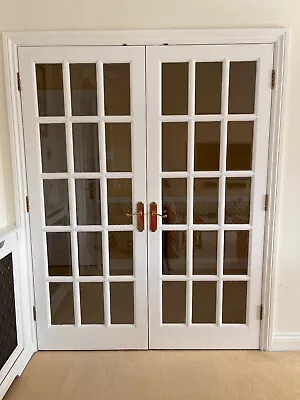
(138, 14)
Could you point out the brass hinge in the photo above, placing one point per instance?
(34, 312)
(273, 80)
(27, 204)
(266, 202)
(19, 81)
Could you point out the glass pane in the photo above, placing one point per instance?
(83, 89)
(174, 200)
(119, 199)
(86, 148)
(239, 145)
(120, 253)
(204, 302)
(234, 302)
(88, 203)
(56, 200)
(61, 303)
(173, 302)
(174, 252)
(59, 254)
(175, 77)
(205, 253)
(53, 147)
(242, 77)
(208, 87)
(174, 146)
(206, 197)
(90, 253)
(207, 146)
(237, 210)
(236, 247)
(122, 302)
(91, 303)
(117, 89)
(118, 147)
(49, 80)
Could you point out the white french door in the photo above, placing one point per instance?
(208, 111)
(85, 140)
(186, 269)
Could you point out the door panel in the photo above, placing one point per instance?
(85, 139)
(208, 113)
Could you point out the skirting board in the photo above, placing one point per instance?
(15, 371)
(285, 342)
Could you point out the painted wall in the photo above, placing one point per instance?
(134, 14)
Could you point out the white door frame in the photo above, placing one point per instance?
(277, 36)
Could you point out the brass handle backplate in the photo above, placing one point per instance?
(140, 218)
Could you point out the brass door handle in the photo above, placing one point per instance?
(140, 223)
(137, 213)
(159, 215)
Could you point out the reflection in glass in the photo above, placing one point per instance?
(237, 208)
(173, 302)
(239, 145)
(208, 87)
(242, 79)
(174, 146)
(207, 146)
(236, 246)
(205, 253)
(56, 201)
(174, 192)
(118, 147)
(175, 78)
(61, 303)
(174, 252)
(234, 302)
(83, 89)
(204, 302)
(90, 253)
(117, 89)
(120, 253)
(59, 254)
(49, 80)
(86, 148)
(122, 302)
(206, 197)
(91, 302)
(53, 148)
(119, 199)
(88, 203)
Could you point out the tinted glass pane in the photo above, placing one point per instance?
(90, 253)
(174, 200)
(173, 302)
(206, 197)
(174, 252)
(91, 302)
(56, 200)
(119, 198)
(83, 89)
(49, 80)
(118, 147)
(174, 146)
(208, 87)
(59, 254)
(237, 210)
(86, 148)
(61, 303)
(175, 78)
(204, 302)
(207, 146)
(120, 253)
(122, 302)
(236, 247)
(205, 253)
(239, 145)
(234, 302)
(88, 204)
(242, 79)
(117, 89)
(53, 148)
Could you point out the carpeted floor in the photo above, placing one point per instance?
(155, 375)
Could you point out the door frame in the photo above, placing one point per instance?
(279, 37)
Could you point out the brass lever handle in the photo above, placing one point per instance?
(139, 216)
(137, 213)
(160, 215)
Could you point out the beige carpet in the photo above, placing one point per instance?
(155, 375)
